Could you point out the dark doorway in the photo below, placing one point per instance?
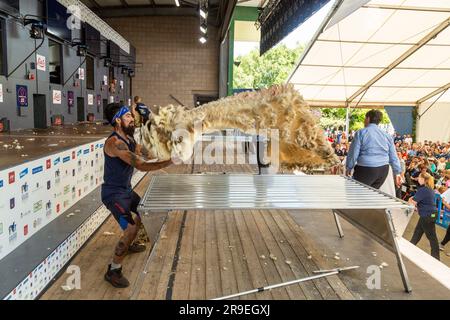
(39, 111)
(105, 103)
(200, 99)
(80, 109)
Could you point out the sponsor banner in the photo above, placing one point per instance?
(81, 73)
(90, 99)
(22, 96)
(40, 190)
(40, 62)
(57, 97)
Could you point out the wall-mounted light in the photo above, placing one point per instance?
(81, 50)
(204, 9)
(177, 2)
(203, 13)
(124, 69)
(107, 63)
(37, 28)
(203, 39)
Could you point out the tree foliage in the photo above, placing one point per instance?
(336, 118)
(257, 72)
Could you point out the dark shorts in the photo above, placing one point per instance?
(121, 207)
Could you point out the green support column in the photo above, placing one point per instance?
(240, 14)
(231, 59)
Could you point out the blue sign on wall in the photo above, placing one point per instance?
(22, 96)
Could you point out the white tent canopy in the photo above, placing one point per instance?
(379, 52)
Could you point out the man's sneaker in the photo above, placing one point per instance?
(136, 247)
(116, 278)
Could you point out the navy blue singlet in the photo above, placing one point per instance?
(117, 174)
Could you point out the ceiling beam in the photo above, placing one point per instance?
(227, 18)
(441, 27)
(405, 8)
(432, 94)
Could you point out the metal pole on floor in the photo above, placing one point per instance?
(288, 283)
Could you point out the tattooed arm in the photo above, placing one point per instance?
(143, 152)
(117, 148)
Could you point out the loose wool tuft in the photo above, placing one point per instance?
(302, 142)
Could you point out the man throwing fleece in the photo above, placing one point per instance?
(122, 156)
(371, 152)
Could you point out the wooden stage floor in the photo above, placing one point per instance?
(203, 255)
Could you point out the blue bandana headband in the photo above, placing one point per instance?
(119, 114)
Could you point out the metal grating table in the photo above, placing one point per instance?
(228, 191)
(377, 214)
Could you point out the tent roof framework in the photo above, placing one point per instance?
(383, 52)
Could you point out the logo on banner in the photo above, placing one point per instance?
(86, 177)
(66, 203)
(81, 73)
(92, 163)
(25, 230)
(73, 172)
(24, 191)
(56, 161)
(57, 176)
(79, 166)
(66, 189)
(37, 206)
(22, 96)
(24, 214)
(40, 62)
(86, 151)
(37, 170)
(37, 222)
(49, 185)
(58, 208)
(37, 187)
(73, 154)
(12, 203)
(73, 193)
(48, 164)
(48, 208)
(56, 97)
(70, 99)
(92, 148)
(79, 152)
(12, 177)
(12, 229)
(66, 159)
(1, 183)
(23, 173)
